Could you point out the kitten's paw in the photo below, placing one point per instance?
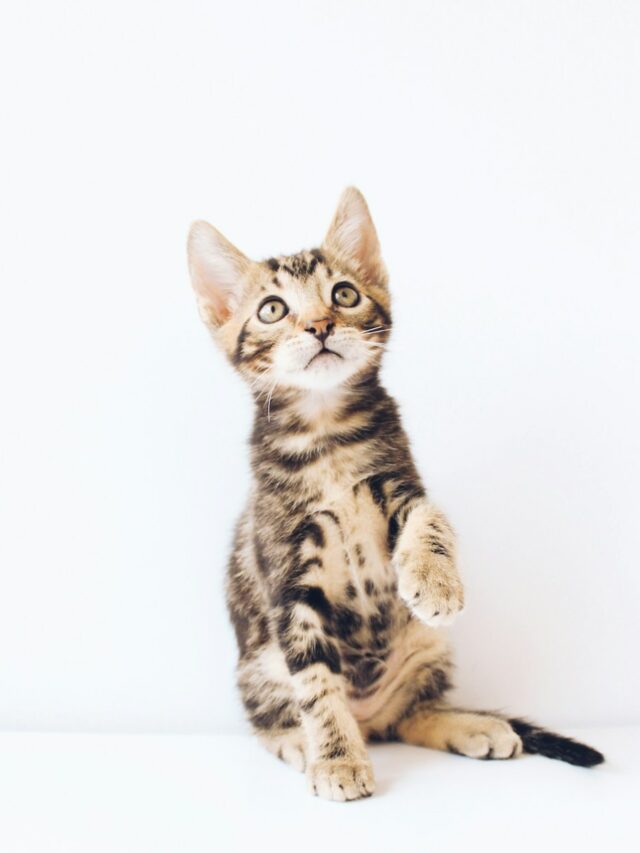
(341, 779)
(486, 737)
(435, 596)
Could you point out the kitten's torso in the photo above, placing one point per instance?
(327, 478)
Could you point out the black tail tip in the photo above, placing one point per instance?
(541, 742)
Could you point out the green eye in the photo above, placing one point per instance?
(345, 295)
(272, 310)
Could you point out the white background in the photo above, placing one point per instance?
(497, 144)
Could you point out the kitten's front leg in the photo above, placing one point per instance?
(338, 765)
(424, 558)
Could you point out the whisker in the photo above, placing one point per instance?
(261, 373)
(376, 329)
(265, 389)
(271, 390)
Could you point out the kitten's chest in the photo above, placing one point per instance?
(359, 581)
(357, 563)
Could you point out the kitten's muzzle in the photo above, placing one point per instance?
(323, 351)
(321, 329)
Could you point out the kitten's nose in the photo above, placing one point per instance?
(320, 328)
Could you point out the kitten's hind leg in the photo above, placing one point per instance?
(272, 709)
(289, 746)
(474, 734)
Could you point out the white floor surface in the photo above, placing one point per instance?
(192, 793)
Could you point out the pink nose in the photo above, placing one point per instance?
(320, 328)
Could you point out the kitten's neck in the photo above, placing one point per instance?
(316, 407)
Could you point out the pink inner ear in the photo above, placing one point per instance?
(221, 310)
(352, 235)
(213, 306)
(217, 271)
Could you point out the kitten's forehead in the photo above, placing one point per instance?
(299, 278)
(300, 266)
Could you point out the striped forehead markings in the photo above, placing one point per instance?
(299, 266)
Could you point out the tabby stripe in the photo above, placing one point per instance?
(382, 311)
(310, 704)
(307, 529)
(313, 596)
(292, 580)
(398, 518)
(376, 487)
(237, 356)
(439, 548)
(261, 562)
(280, 716)
(266, 347)
(320, 651)
(330, 514)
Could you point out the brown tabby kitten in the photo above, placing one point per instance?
(342, 571)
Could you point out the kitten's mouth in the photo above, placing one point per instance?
(324, 353)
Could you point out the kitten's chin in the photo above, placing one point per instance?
(324, 372)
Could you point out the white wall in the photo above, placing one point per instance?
(498, 144)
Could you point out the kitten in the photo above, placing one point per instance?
(343, 571)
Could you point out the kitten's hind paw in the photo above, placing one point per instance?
(341, 779)
(485, 737)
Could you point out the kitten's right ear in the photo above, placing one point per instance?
(217, 271)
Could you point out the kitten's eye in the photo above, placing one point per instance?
(272, 310)
(345, 295)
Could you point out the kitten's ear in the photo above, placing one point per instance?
(217, 271)
(352, 237)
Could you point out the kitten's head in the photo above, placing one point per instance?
(315, 320)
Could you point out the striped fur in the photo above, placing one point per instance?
(343, 572)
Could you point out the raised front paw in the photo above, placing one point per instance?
(341, 779)
(433, 593)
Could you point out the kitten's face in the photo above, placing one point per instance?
(304, 323)
(315, 320)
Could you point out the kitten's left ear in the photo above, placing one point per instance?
(218, 272)
(352, 238)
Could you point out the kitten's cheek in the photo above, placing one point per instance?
(284, 362)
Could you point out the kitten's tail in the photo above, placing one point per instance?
(541, 742)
